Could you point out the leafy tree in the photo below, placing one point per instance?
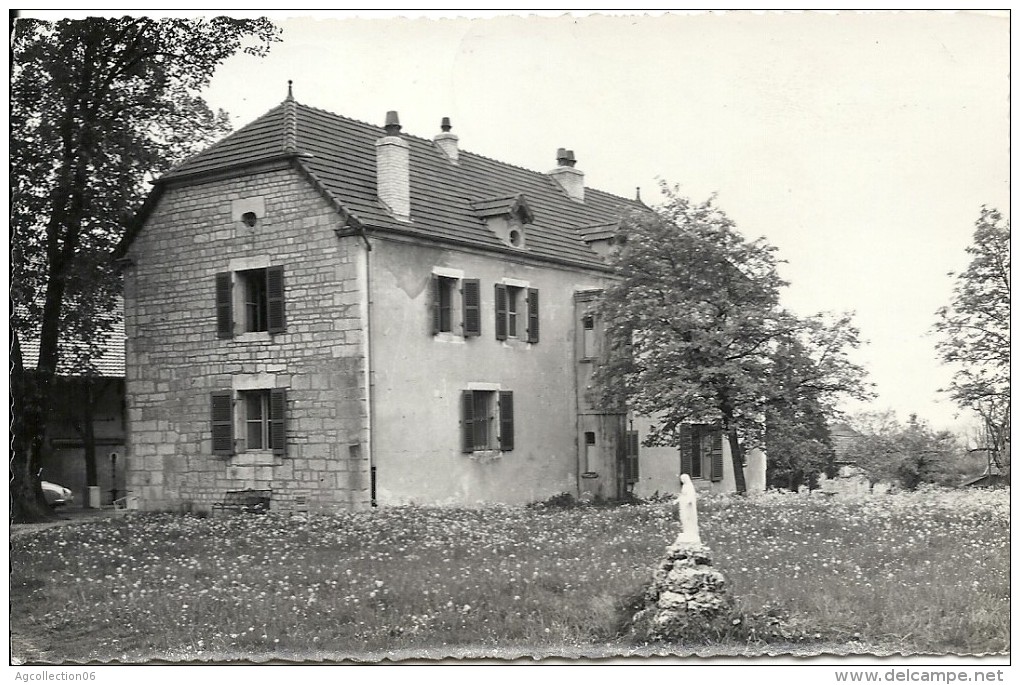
(97, 107)
(974, 330)
(695, 331)
(799, 449)
(906, 454)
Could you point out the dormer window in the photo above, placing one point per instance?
(506, 217)
(603, 238)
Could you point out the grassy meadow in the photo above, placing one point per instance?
(920, 572)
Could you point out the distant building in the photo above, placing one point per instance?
(842, 436)
(87, 413)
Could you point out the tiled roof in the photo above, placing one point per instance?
(109, 364)
(514, 204)
(599, 231)
(340, 154)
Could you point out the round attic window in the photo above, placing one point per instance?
(515, 237)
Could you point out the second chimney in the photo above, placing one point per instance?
(393, 169)
(446, 141)
(569, 178)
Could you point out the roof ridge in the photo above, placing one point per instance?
(222, 141)
(478, 155)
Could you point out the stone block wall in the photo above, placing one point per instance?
(175, 359)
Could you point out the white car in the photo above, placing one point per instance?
(56, 495)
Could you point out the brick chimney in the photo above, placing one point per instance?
(446, 141)
(569, 178)
(393, 169)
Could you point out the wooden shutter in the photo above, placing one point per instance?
(224, 308)
(467, 421)
(222, 403)
(506, 420)
(471, 296)
(276, 318)
(633, 444)
(435, 304)
(717, 455)
(501, 311)
(278, 420)
(686, 445)
(532, 315)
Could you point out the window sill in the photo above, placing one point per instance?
(485, 456)
(449, 337)
(586, 360)
(253, 336)
(516, 342)
(253, 458)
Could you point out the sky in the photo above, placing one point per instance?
(861, 145)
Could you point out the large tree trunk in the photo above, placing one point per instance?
(27, 428)
(737, 452)
(31, 413)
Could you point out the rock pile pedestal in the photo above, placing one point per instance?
(686, 595)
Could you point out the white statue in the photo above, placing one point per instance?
(687, 502)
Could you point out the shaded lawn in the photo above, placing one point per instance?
(920, 572)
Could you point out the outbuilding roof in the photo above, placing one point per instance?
(338, 155)
(108, 364)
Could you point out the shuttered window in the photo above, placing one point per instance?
(442, 308)
(276, 319)
(533, 315)
(434, 304)
(506, 420)
(471, 296)
(222, 403)
(486, 420)
(278, 420)
(501, 311)
(687, 442)
(261, 416)
(467, 421)
(701, 451)
(630, 465)
(260, 301)
(717, 455)
(516, 312)
(224, 308)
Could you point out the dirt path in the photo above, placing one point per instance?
(70, 517)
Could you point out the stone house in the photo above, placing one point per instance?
(349, 316)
